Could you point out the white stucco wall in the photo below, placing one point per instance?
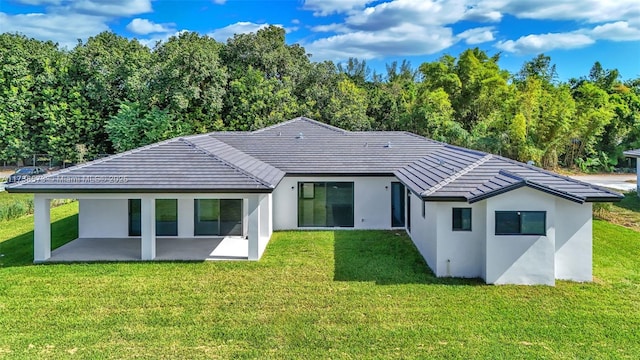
(186, 212)
(103, 218)
(266, 211)
(448, 252)
(521, 259)
(372, 201)
(424, 230)
(573, 256)
(108, 215)
(461, 253)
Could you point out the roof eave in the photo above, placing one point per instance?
(137, 190)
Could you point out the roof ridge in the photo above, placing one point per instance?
(303, 118)
(556, 175)
(93, 162)
(521, 181)
(457, 175)
(210, 154)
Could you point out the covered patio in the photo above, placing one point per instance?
(167, 249)
(105, 223)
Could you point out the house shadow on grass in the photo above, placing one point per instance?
(18, 251)
(386, 258)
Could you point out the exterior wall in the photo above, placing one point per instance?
(573, 255)
(424, 230)
(103, 218)
(372, 201)
(448, 252)
(461, 253)
(266, 228)
(186, 223)
(521, 259)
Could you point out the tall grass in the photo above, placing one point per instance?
(13, 206)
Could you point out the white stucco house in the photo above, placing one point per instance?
(469, 213)
(635, 153)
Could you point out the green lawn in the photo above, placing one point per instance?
(344, 294)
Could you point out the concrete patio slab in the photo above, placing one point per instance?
(128, 249)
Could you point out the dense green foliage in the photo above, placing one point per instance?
(313, 295)
(13, 206)
(113, 94)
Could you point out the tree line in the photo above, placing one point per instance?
(111, 94)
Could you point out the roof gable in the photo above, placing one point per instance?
(479, 176)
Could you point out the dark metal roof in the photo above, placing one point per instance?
(454, 173)
(177, 165)
(305, 146)
(257, 161)
(632, 153)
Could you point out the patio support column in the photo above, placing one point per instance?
(254, 227)
(148, 228)
(41, 228)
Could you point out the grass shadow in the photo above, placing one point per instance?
(631, 201)
(386, 258)
(18, 251)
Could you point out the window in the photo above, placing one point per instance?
(461, 219)
(325, 204)
(521, 223)
(207, 216)
(218, 217)
(135, 220)
(166, 217)
(397, 205)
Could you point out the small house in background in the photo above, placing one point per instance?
(636, 155)
(469, 213)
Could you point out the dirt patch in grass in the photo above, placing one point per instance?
(624, 213)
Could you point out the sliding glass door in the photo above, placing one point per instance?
(325, 204)
(166, 217)
(218, 217)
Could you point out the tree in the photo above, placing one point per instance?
(188, 80)
(107, 70)
(347, 108)
(254, 102)
(134, 126)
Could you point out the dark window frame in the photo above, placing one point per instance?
(461, 211)
(520, 224)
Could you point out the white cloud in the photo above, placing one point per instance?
(535, 44)
(337, 28)
(405, 40)
(592, 11)
(152, 41)
(418, 12)
(220, 2)
(144, 26)
(66, 21)
(65, 29)
(477, 35)
(328, 7)
(242, 27)
(109, 7)
(617, 31)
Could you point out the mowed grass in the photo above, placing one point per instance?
(313, 295)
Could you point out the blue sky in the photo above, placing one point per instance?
(575, 33)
